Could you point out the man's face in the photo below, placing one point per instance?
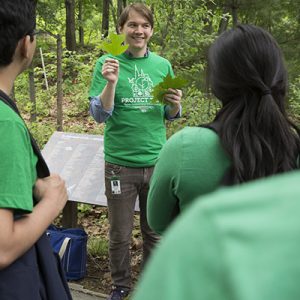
(138, 31)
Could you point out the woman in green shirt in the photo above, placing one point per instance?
(252, 136)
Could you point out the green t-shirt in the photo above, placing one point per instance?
(240, 243)
(135, 132)
(190, 164)
(17, 162)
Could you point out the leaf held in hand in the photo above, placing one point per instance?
(162, 88)
(114, 44)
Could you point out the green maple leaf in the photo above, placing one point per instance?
(114, 44)
(161, 89)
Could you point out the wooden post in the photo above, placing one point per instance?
(44, 69)
(69, 218)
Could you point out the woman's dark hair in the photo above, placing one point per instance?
(17, 19)
(248, 75)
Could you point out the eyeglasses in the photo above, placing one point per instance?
(32, 33)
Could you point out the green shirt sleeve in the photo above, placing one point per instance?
(98, 82)
(162, 203)
(17, 167)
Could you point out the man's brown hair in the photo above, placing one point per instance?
(140, 8)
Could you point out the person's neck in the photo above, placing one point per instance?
(137, 52)
(7, 78)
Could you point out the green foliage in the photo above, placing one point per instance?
(197, 108)
(294, 101)
(84, 208)
(183, 33)
(97, 247)
(114, 44)
(51, 16)
(77, 76)
(41, 131)
(161, 89)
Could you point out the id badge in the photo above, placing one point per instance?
(115, 186)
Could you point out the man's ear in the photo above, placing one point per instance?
(151, 32)
(25, 44)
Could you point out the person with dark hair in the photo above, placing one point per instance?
(250, 138)
(30, 198)
(120, 96)
(237, 243)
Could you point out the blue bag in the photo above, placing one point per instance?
(71, 246)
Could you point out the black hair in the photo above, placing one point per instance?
(248, 75)
(17, 19)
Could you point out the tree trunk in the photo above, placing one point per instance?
(223, 24)
(207, 21)
(105, 18)
(120, 7)
(32, 95)
(70, 25)
(114, 14)
(234, 8)
(59, 85)
(80, 22)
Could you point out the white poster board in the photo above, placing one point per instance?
(78, 159)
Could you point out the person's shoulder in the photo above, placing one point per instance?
(11, 124)
(159, 58)
(195, 133)
(8, 115)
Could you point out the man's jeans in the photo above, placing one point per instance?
(133, 182)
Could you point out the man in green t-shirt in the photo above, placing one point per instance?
(23, 222)
(135, 132)
(239, 243)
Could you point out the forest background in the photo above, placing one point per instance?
(183, 32)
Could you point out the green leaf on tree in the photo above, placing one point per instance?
(161, 89)
(114, 44)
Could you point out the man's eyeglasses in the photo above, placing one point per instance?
(32, 33)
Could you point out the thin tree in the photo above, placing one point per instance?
(80, 23)
(105, 18)
(120, 6)
(59, 84)
(70, 25)
(32, 95)
(234, 9)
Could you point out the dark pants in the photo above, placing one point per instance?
(133, 182)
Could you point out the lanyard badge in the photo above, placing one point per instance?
(115, 185)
